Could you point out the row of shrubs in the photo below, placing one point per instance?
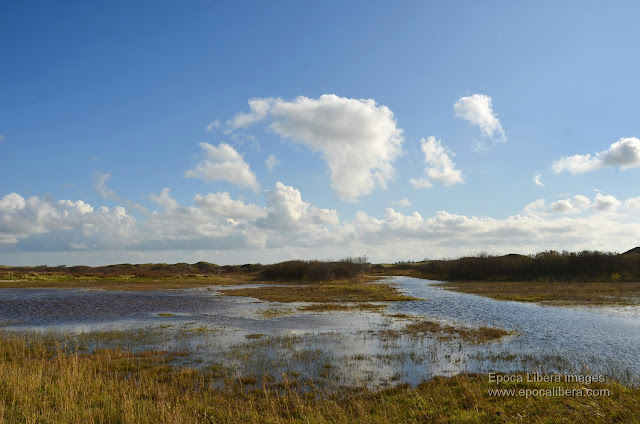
(549, 265)
(284, 271)
(138, 270)
(315, 270)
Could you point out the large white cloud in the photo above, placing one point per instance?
(624, 153)
(22, 218)
(223, 162)
(477, 110)
(358, 138)
(440, 167)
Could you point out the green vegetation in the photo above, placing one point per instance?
(306, 271)
(42, 382)
(579, 278)
(587, 265)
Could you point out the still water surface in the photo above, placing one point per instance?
(348, 347)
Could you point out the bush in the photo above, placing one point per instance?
(314, 270)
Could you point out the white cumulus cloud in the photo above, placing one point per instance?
(222, 204)
(576, 204)
(477, 110)
(633, 203)
(624, 153)
(358, 138)
(223, 162)
(287, 211)
(40, 224)
(440, 167)
(605, 203)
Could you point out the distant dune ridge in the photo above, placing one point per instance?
(635, 250)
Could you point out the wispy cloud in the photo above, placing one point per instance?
(100, 184)
(402, 202)
(536, 179)
(271, 162)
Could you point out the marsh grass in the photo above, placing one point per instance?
(418, 328)
(121, 282)
(352, 290)
(570, 293)
(274, 312)
(345, 307)
(41, 382)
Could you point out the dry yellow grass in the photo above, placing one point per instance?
(582, 293)
(40, 382)
(358, 290)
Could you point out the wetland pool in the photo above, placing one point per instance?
(244, 336)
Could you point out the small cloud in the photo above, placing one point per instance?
(624, 153)
(440, 167)
(223, 162)
(212, 126)
(477, 110)
(536, 180)
(271, 162)
(401, 202)
(1, 138)
(605, 203)
(420, 183)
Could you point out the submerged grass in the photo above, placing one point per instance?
(421, 328)
(41, 382)
(570, 293)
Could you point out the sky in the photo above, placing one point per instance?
(257, 132)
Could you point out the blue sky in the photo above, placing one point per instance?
(399, 130)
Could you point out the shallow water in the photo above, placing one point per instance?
(347, 348)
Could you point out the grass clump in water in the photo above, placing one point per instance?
(357, 290)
